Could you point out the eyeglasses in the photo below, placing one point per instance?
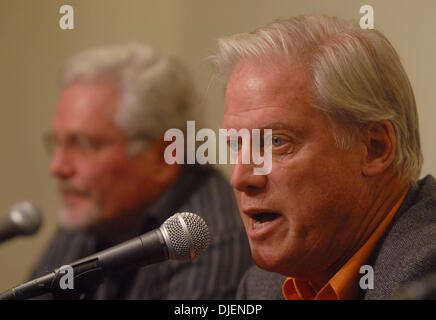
(75, 143)
(82, 144)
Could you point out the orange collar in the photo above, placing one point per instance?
(344, 285)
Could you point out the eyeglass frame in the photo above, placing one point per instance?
(86, 144)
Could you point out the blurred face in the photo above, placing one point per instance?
(98, 180)
(303, 217)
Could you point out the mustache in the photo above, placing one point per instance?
(67, 187)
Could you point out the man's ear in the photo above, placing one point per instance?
(380, 144)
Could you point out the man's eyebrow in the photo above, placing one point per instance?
(278, 125)
(79, 134)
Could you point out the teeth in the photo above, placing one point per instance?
(258, 224)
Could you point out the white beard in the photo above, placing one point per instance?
(83, 220)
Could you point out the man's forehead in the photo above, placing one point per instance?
(258, 95)
(86, 106)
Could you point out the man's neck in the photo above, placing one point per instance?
(383, 196)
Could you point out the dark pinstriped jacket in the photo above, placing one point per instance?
(406, 253)
(214, 275)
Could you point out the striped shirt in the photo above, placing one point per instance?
(214, 275)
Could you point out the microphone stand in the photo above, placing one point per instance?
(86, 274)
(90, 271)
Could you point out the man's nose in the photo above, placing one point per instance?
(243, 178)
(61, 165)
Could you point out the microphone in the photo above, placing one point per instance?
(24, 219)
(183, 236)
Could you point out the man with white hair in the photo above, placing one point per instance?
(107, 143)
(342, 215)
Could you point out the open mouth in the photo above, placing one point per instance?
(262, 219)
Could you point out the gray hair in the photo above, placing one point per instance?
(357, 77)
(157, 92)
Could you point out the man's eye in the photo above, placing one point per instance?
(277, 142)
(85, 143)
(81, 143)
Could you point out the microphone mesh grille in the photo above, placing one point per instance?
(188, 238)
(26, 217)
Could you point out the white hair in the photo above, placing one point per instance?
(357, 77)
(157, 92)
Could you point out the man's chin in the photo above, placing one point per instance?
(282, 263)
(79, 220)
(268, 260)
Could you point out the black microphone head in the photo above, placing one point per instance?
(26, 217)
(186, 235)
